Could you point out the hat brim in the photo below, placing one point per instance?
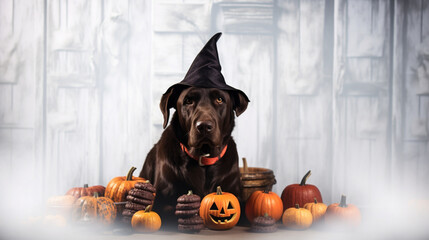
(179, 87)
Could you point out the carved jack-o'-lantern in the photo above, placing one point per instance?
(220, 210)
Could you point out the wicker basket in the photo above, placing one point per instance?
(253, 179)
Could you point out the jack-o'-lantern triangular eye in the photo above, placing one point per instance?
(214, 207)
(230, 206)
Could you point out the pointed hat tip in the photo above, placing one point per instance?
(214, 38)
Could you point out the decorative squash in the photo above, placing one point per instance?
(78, 192)
(342, 213)
(117, 189)
(297, 218)
(146, 221)
(94, 209)
(300, 193)
(317, 209)
(220, 210)
(261, 202)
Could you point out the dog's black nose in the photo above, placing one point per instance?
(204, 126)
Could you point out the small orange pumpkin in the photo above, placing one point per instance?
(220, 210)
(317, 209)
(343, 213)
(261, 202)
(94, 209)
(146, 221)
(78, 192)
(297, 218)
(117, 189)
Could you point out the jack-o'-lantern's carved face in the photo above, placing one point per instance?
(223, 214)
(220, 210)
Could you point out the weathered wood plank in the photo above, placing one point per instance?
(9, 60)
(245, 17)
(311, 20)
(6, 111)
(425, 20)
(303, 98)
(115, 58)
(287, 40)
(19, 44)
(21, 64)
(246, 61)
(414, 125)
(139, 84)
(181, 17)
(72, 95)
(168, 53)
(361, 142)
(300, 45)
(366, 26)
(5, 154)
(398, 93)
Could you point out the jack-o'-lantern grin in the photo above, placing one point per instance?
(221, 217)
(221, 220)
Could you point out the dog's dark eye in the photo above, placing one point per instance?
(188, 101)
(219, 100)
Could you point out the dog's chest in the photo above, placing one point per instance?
(200, 178)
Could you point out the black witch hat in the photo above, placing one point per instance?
(205, 72)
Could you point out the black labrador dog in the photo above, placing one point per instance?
(199, 134)
(196, 151)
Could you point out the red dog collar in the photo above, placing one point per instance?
(204, 161)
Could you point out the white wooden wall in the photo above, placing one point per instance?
(336, 86)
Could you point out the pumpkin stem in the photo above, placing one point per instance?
(85, 185)
(148, 208)
(297, 206)
(130, 174)
(266, 191)
(343, 201)
(304, 179)
(315, 200)
(96, 194)
(218, 190)
(190, 192)
(245, 165)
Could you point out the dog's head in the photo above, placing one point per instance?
(205, 116)
(204, 104)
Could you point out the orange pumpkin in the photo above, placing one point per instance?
(78, 192)
(220, 210)
(297, 218)
(317, 209)
(117, 189)
(146, 220)
(343, 213)
(261, 202)
(94, 209)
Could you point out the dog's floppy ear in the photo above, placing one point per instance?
(240, 103)
(165, 106)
